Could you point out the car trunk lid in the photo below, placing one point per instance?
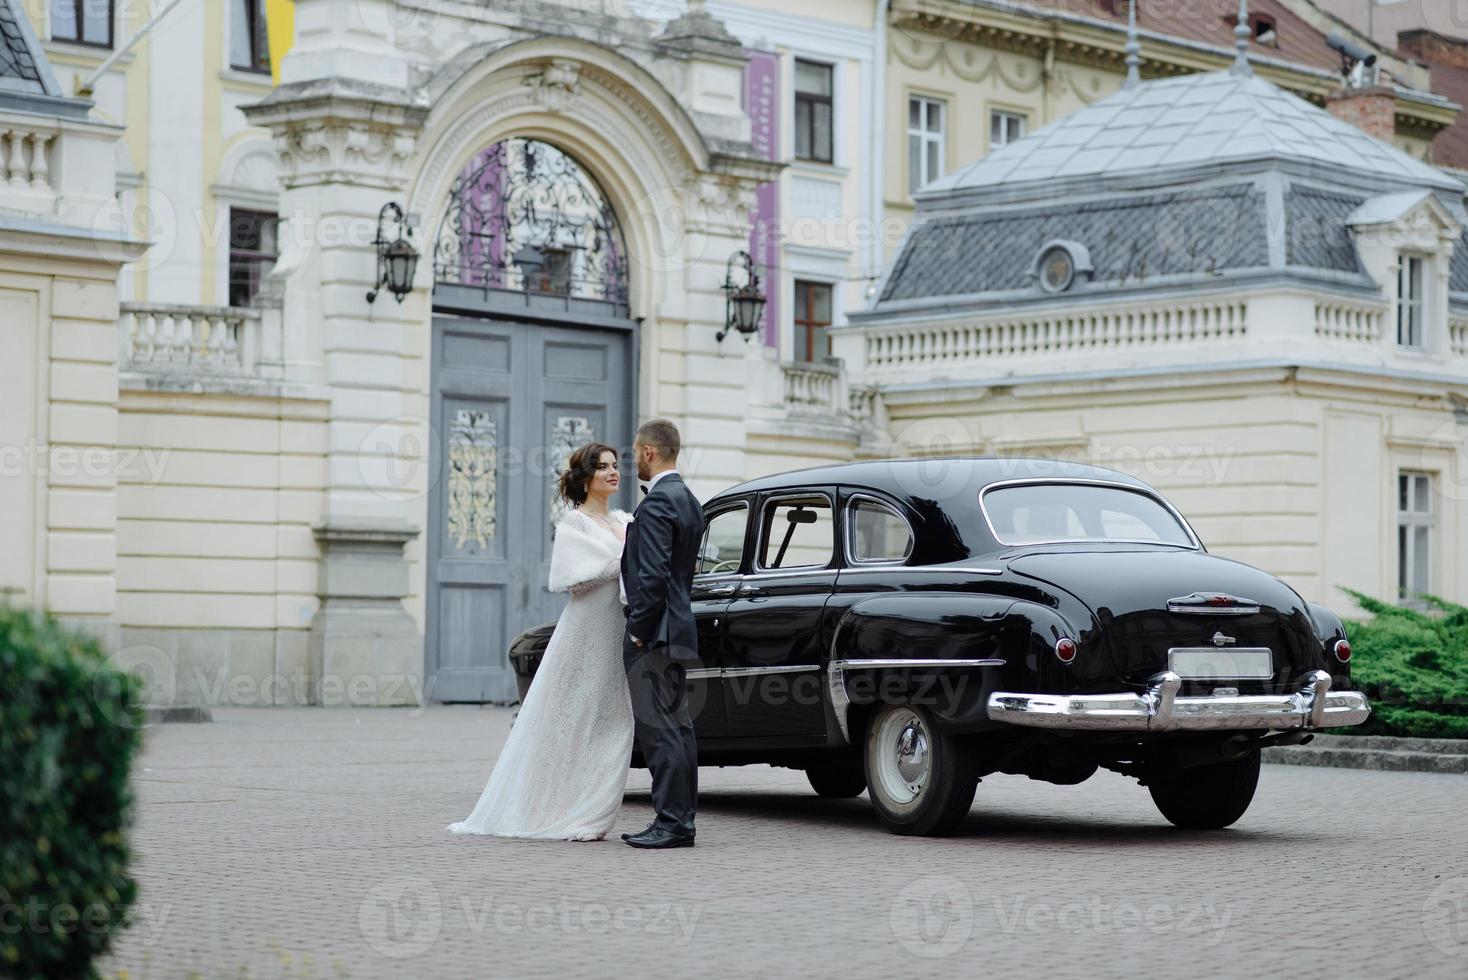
(1150, 601)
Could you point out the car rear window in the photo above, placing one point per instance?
(1042, 512)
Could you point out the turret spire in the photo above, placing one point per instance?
(1242, 34)
(1133, 49)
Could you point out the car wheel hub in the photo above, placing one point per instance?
(903, 756)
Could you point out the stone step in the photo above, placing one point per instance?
(1365, 758)
(1393, 743)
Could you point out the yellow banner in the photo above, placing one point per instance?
(280, 27)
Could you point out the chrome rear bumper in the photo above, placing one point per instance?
(1161, 710)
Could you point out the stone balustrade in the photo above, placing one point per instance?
(814, 387)
(1351, 322)
(201, 339)
(1055, 333)
(1458, 336)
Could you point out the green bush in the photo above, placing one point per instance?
(69, 726)
(1414, 667)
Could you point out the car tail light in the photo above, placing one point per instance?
(1065, 649)
(1343, 651)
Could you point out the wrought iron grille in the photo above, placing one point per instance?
(525, 216)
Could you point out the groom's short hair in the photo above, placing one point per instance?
(661, 435)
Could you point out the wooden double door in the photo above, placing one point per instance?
(511, 399)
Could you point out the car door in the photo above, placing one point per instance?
(720, 568)
(774, 633)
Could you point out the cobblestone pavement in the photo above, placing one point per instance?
(311, 843)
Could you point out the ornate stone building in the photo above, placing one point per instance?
(323, 498)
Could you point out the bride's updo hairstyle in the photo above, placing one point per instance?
(580, 469)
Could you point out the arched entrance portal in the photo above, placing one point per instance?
(534, 354)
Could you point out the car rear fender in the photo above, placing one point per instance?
(945, 650)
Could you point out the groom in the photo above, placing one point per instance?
(658, 562)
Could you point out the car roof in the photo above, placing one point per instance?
(932, 478)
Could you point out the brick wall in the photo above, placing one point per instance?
(1371, 109)
(1434, 49)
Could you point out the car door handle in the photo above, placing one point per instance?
(720, 590)
(748, 589)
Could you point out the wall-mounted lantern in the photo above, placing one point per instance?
(744, 305)
(397, 259)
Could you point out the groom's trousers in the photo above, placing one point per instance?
(664, 732)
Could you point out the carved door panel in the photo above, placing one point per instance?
(580, 392)
(475, 532)
(510, 402)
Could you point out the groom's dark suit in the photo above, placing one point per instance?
(658, 562)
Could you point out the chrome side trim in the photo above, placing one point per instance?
(836, 678)
(884, 663)
(780, 669)
(701, 673)
(1159, 709)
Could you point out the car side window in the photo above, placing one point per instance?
(797, 532)
(723, 542)
(878, 533)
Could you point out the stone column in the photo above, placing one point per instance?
(345, 126)
(364, 648)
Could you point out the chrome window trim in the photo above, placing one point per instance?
(758, 569)
(929, 569)
(739, 503)
(848, 542)
(1197, 545)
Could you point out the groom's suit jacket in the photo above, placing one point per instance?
(658, 562)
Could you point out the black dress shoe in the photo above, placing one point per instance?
(660, 838)
(640, 832)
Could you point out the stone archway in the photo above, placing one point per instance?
(532, 355)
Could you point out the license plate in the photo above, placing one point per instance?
(1220, 664)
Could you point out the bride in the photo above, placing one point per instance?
(563, 769)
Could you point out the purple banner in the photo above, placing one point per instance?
(762, 103)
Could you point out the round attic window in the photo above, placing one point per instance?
(1059, 263)
(1057, 269)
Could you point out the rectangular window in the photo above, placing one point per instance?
(82, 21)
(814, 83)
(252, 252)
(924, 141)
(1005, 128)
(1414, 536)
(1411, 303)
(249, 48)
(812, 320)
(797, 533)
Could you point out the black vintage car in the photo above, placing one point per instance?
(907, 627)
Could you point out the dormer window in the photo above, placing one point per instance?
(1059, 263)
(1412, 302)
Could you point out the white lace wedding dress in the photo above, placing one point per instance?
(563, 769)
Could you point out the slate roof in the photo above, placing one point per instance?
(1318, 236)
(1214, 117)
(1130, 239)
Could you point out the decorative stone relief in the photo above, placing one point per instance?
(473, 457)
(556, 85)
